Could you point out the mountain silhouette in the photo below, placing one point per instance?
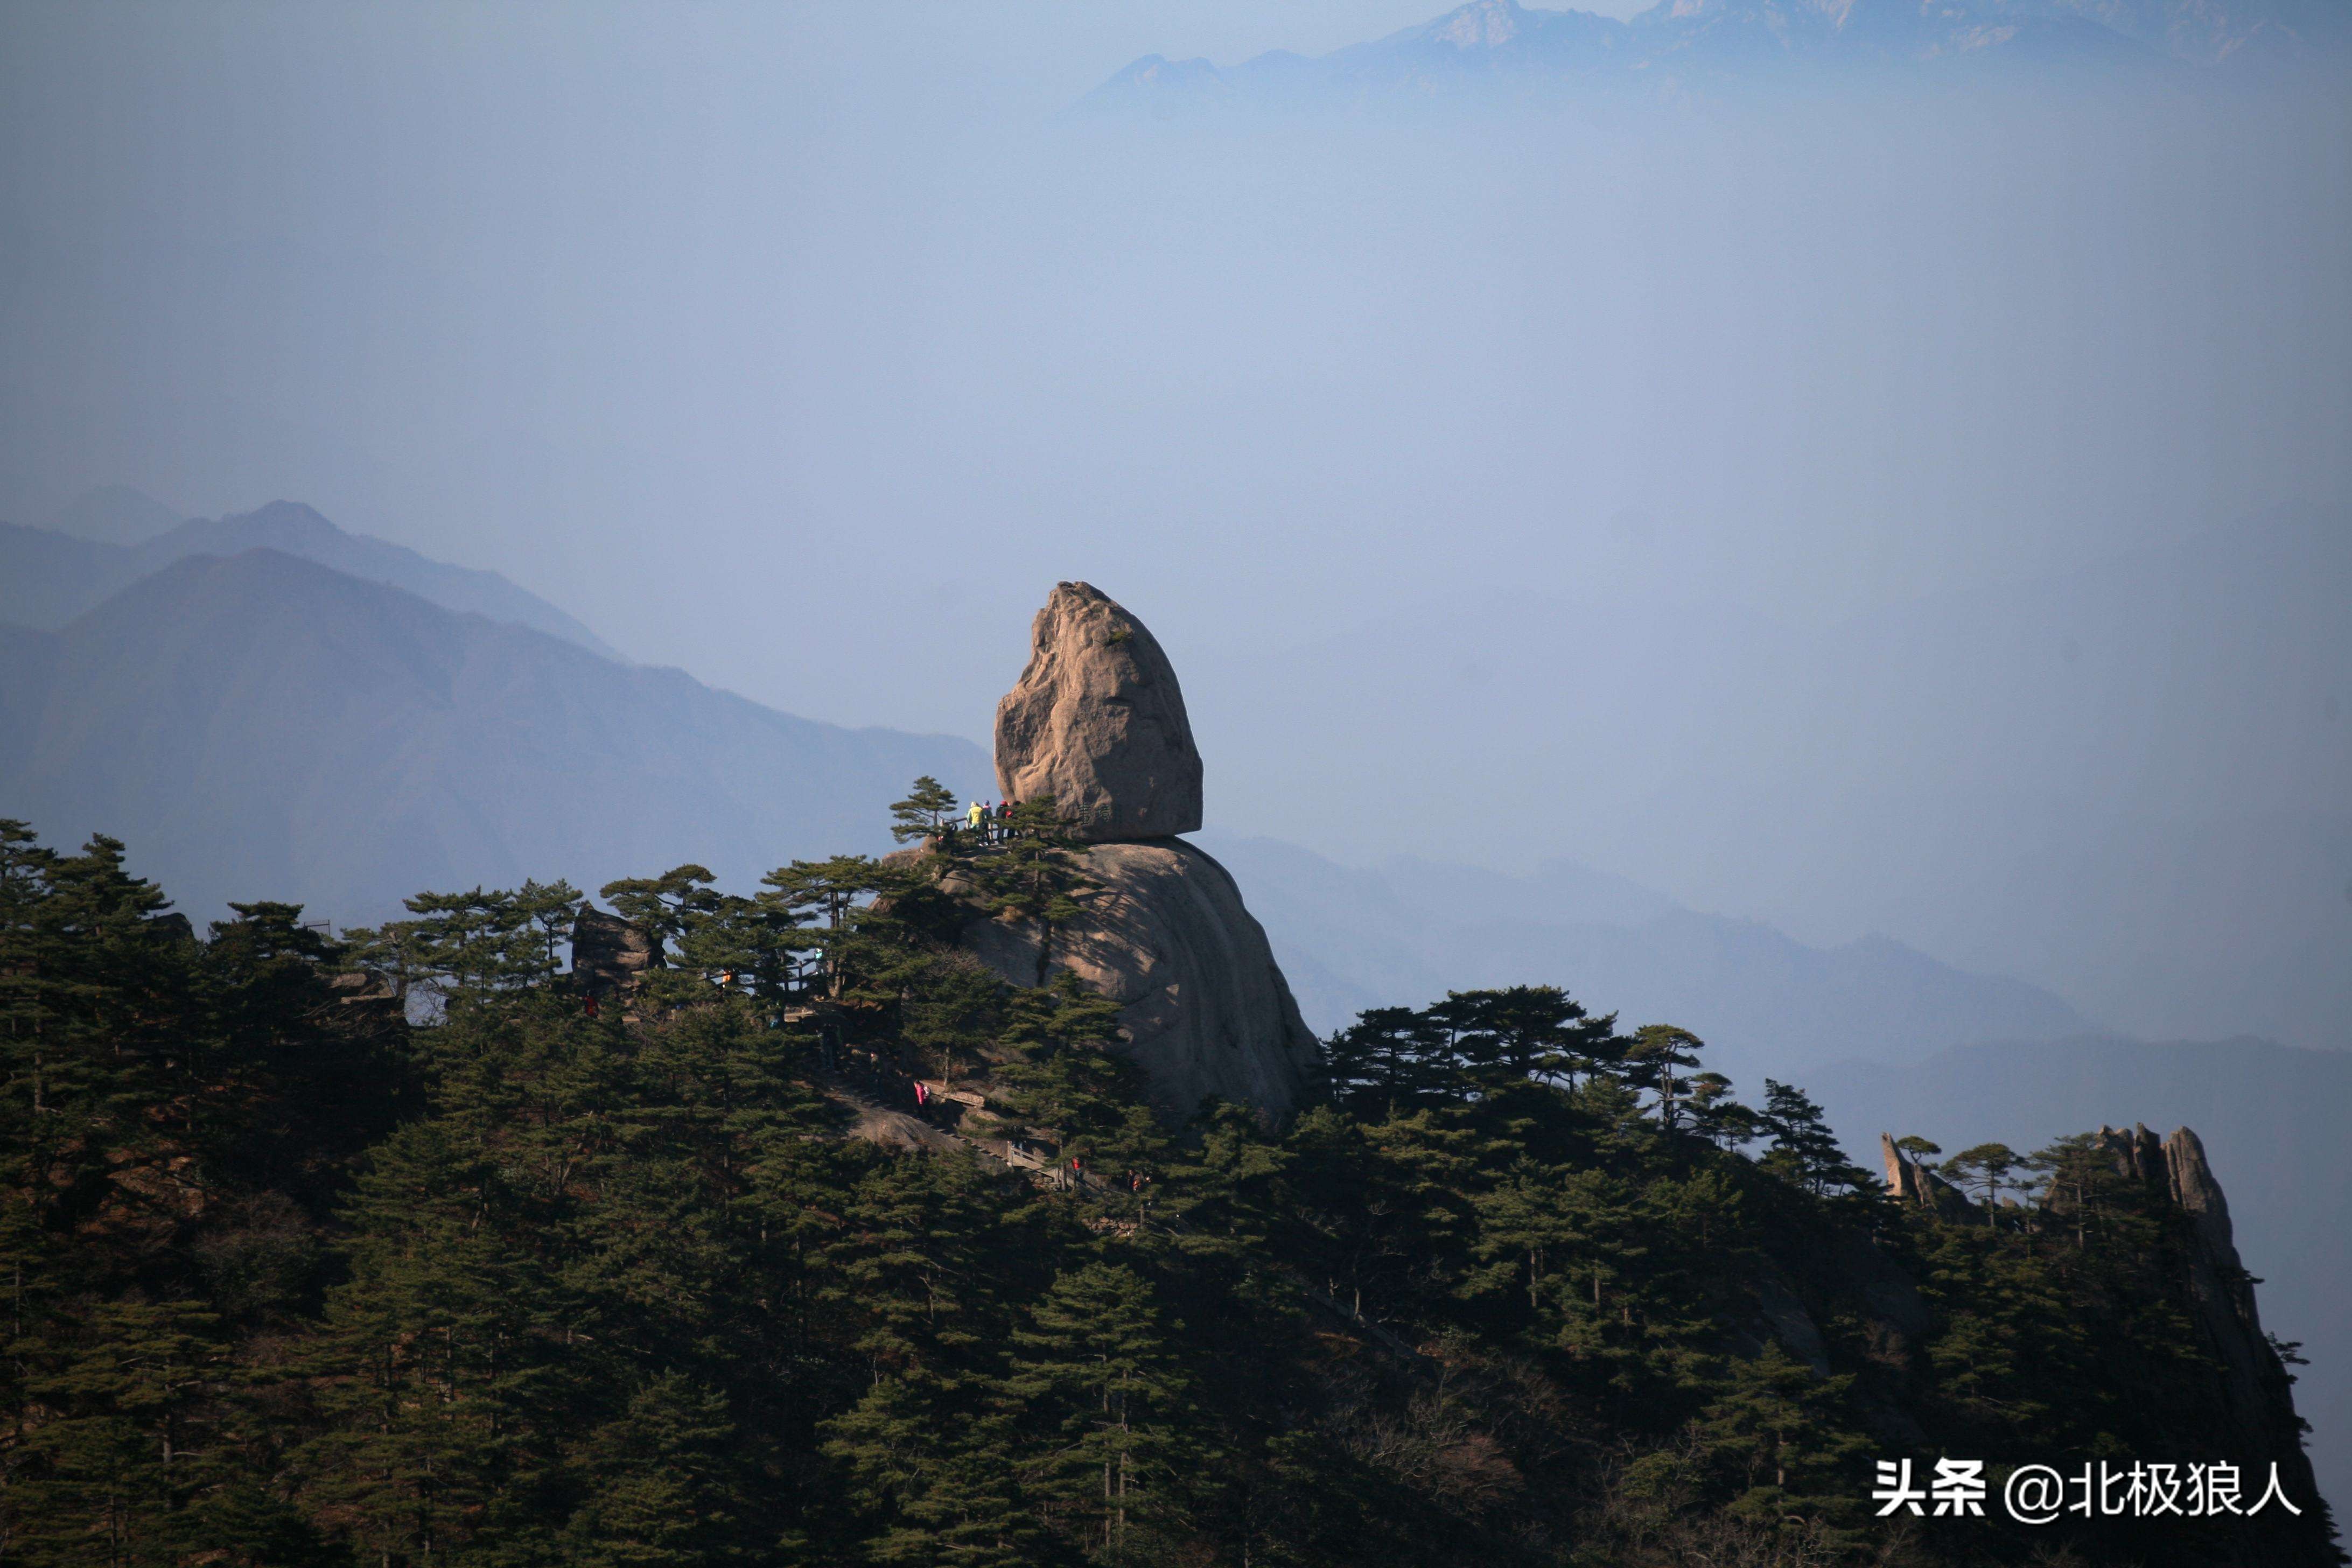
(259, 726)
(1408, 930)
(1498, 48)
(2273, 1119)
(48, 577)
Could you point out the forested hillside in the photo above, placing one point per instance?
(414, 1248)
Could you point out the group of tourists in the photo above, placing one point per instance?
(988, 824)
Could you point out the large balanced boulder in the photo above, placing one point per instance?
(1202, 1005)
(1097, 720)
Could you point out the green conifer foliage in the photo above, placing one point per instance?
(1804, 1150)
(1108, 1403)
(1787, 1437)
(295, 1275)
(928, 810)
(1989, 1169)
(1036, 876)
(1661, 1059)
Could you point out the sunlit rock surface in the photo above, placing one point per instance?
(1097, 720)
(1202, 1003)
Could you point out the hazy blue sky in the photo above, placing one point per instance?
(805, 346)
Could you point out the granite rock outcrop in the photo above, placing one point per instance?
(1097, 720)
(2257, 1390)
(1204, 1006)
(1913, 1183)
(2255, 1380)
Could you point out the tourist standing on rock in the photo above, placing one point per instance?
(976, 816)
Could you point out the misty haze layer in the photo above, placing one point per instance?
(1795, 501)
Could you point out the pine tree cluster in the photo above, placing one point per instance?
(398, 1248)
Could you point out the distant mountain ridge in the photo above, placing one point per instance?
(48, 577)
(2143, 764)
(1886, 1038)
(265, 723)
(1499, 44)
(1406, 932)
(261, 726)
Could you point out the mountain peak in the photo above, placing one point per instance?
(1472, 46)
(1480, 25)
(284, 519)
(48, 577)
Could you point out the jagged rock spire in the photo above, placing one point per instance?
(1912, 1182)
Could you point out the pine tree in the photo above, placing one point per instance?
(1094, 1368)
(1500, 1037)
(1657, 1060)
(289, 1281)
(1066, 1076)
(669, 904)
(1037, 876)
(1386, 1058)
(833, 891)
(954, 1011)
(445, 1362)
(925, 812)
(95, 986)
(1528, 1234)
(473, 943)
(1986, 1167)
(1784, 1434)
(666, 1486)
(131, 1435)
(1716, 1116)
(929, 1460)
(918, 1266)
(1804, 1150)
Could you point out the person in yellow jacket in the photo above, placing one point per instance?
(976, 816)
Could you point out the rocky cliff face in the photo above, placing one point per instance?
(2259, 1390)
(2256, 1386)
(1166, 936)
(1097, 722)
